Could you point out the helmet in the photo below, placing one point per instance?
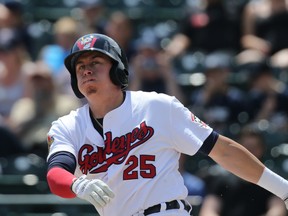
(106, 45)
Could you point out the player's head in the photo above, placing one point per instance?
(105, 45)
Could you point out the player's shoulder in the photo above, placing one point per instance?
(150, 97)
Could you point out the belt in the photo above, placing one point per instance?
(175, 204)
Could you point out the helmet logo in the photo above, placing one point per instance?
(86, 42)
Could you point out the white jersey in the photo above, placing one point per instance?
(138, 158)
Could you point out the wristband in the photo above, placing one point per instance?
(274, 183)
(60, 181)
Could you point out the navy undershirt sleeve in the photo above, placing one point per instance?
(209, 143)
(65, 160)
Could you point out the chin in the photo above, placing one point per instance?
(90, 90)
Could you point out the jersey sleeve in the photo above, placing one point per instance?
(60, 138)
(187, 130)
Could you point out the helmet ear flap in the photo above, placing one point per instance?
(119, 76)
(119, 71)
(75, 88)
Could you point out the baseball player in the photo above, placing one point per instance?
(120, 151)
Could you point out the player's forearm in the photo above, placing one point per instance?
(236, 159)
(60, 181)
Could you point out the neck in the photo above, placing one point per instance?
(108, 102)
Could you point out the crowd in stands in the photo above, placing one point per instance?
(234, 58)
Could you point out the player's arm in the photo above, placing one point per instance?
(238, 160)
(63, 183)
(61, 167)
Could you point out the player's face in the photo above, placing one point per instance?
(92, 71)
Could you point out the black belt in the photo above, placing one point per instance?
(169, 205)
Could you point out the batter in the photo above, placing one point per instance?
(121, 150)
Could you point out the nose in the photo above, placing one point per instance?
(87, 71)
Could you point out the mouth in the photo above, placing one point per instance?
(88, 80)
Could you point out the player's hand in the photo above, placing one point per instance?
(94, 191)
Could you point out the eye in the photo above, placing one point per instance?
(80, 68)
(93, 63)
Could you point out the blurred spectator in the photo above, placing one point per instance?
(265, 29)
(5, 16)
(65, 32)
(13, 61)
(94, 19)
(228, 195)
(218, 102)
(11, 16)
(120, 27)
(208, 28)
(195, 185)
(152, 71)
(10, 145)
(267, 96)
(32, 117)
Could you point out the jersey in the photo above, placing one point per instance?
(138, 157)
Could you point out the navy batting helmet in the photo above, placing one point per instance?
(106, 45)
